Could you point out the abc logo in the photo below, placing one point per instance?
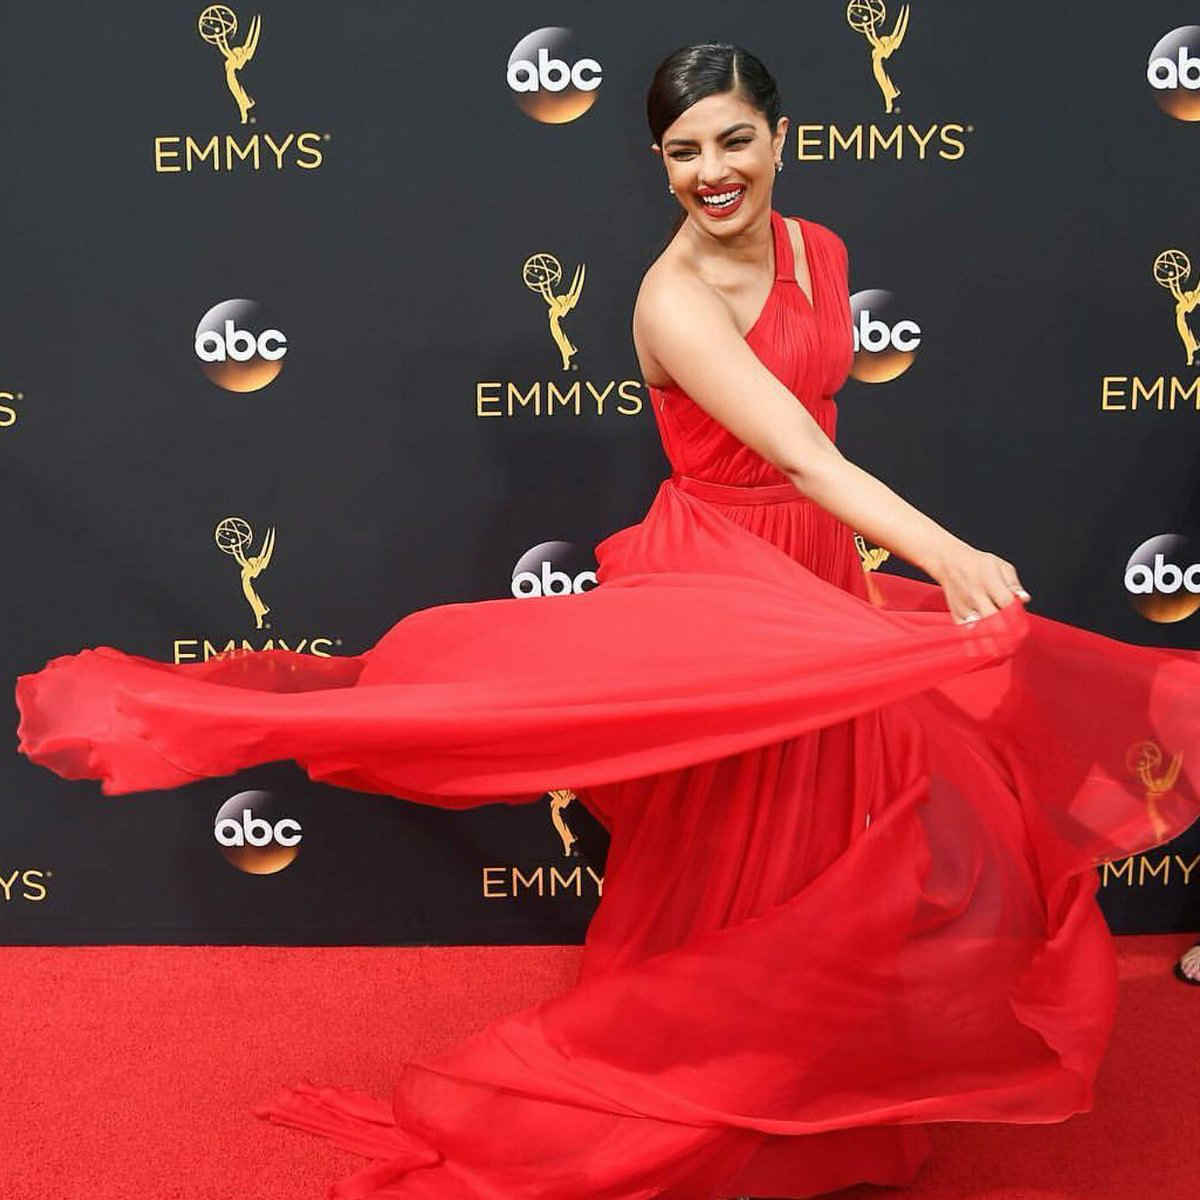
(1162, 578)
(237, 347)
(1173, 71)
(254, 835)
(550, 82)
(885, 343)
(551, 569)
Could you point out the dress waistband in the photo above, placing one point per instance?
(733, 493)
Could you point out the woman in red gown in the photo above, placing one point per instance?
(855, 819)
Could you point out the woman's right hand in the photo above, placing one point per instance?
(977, 583)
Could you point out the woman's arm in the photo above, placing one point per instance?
(706, 356)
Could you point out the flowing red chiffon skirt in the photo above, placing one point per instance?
(851, 881)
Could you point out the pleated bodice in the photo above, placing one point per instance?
(808, 347)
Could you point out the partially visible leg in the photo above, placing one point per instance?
(1188, 967)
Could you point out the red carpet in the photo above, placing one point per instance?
(130, 1071)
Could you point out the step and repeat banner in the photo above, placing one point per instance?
(317, 315)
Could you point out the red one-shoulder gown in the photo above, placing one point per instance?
(851, 882)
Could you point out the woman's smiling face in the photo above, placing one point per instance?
(721, 148)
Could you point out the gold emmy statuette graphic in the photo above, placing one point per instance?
(871, 558)
(1171, 268)
(233, 535)
(1143, 759)
(863, 16)
(559, 799)
(217, 25)
(540, 273)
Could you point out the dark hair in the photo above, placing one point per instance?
(691, 73)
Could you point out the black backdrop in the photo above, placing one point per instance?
(386, 243)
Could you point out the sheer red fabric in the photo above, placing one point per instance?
(851, 882)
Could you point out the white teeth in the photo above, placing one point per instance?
(722, 198)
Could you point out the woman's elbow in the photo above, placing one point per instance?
(806, 459)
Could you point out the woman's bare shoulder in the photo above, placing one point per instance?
(667, 288)
(665, 283)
